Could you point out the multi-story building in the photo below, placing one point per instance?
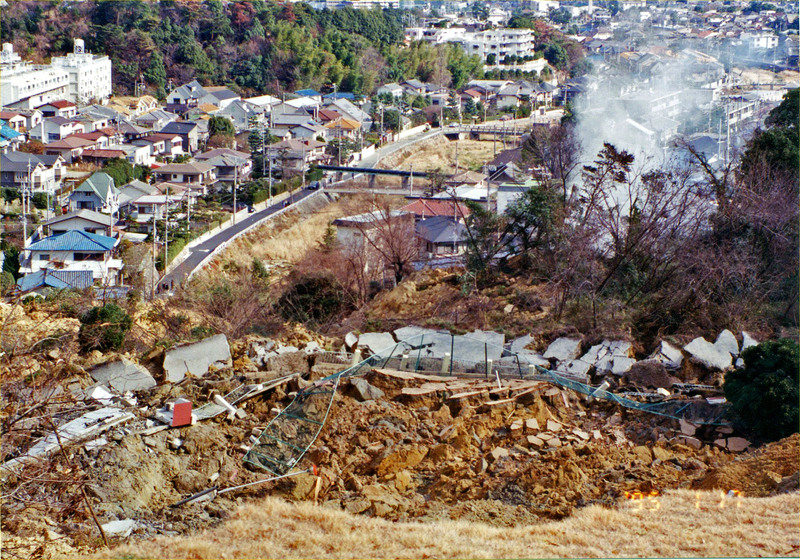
(25, 85)
(78, 77)
(89, 74)
(500, 42)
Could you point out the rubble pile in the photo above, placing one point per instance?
(397, 444)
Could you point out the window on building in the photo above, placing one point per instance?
(44, 256)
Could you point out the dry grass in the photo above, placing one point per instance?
(472, 154)
(680, 524)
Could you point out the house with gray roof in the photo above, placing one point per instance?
(83, 220)
(97, 193)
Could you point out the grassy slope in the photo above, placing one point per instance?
(681, 523)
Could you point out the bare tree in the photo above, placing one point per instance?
(556, 152)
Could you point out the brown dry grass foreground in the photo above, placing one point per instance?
(680, 523)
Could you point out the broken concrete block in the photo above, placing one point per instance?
(535, 441)
(499, 453)
(721, 443)
(350, 340)
(516, 426)
(553, 426)
(622, 365)
(737, 444)
(668, 355)
(196, 358)
(621, 348)
(748, 341)
(531, 424)
(708, 355)
(577, 368)
(596, 434)
(726, 342)
(121, 528)
(375, 342)
(581, 434)
(687, 428)
(643, 454)
(100, 395)
(691, 442)
(124, 375)
(364, 391)
(563, 349)
(661, 454)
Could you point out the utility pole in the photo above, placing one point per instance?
(25, 209)
(153, 278)
(411, 181)
(235, 180)
(166, 232)
(269, 155)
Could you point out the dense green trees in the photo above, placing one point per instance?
(254, 45)
(764, 393)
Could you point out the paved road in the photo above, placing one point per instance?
(201, 251)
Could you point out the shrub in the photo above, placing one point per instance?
(764, 393)
(313, 299)
(103, 328)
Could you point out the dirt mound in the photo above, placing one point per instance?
(769, 470)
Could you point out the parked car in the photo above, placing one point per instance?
(313, 186)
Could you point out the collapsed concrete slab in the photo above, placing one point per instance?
(364, 391)
(703, 352)
(649, 374)
(748, 341)
(563, 349)
(726, 342)
(124, 375)
(412, 332)
(375, 342)
(197, 358)
(668, 355)
(84, 427)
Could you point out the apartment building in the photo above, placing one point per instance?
(25, 85)
(89, 74)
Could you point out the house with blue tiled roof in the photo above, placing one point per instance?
(75, 250)
(44, 281)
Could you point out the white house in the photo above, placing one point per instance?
(75, 250)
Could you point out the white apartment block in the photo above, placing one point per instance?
(763, 41)
(501, 42)
(77, 77)
(25, 85)
(89, 74)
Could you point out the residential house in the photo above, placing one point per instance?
(344, 127)
(84, 220)
(293, 155)
(371, 236)
(167, 145)
(441, 235)
(32, 117)
(75, 250)
(470, 94)
(507, 193)
(242, 114)
(347, 109)
(188, 131)
(189, 94)
(145, 209)
(413, 87)
(309, 131)
(99, 156)
(92, 121)
(198, 176)
(55, 128)
(135, 154)
(513, 95)
(310, 93)
(9, 136)
(229, 164)
(47, 178)
(60, 108)
(133, 106)
(424, 208)
(101, 139)
(471, 178)
(133, 191)
(220, 96)
(393, 89)
(155, 119)
(70, 148)
(45, 281)
(97, 193)
(15, 120)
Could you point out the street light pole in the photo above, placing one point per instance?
(235, 179)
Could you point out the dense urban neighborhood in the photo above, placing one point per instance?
(499, 262)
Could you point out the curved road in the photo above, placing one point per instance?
(201, 251)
